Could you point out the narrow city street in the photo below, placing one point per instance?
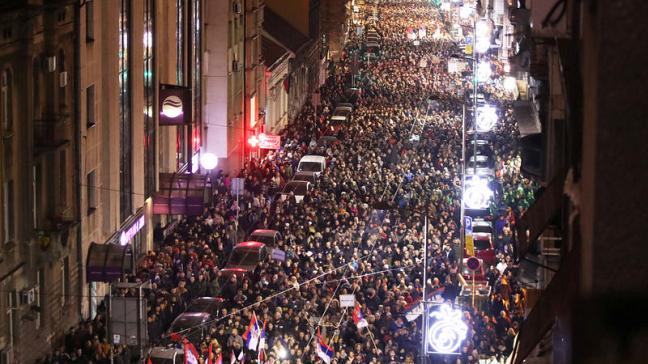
(339, 212)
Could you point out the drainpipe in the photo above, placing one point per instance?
(77, 149)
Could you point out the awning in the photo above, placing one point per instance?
(539, 215)
(180, 194)
(526, 115)
(107, 262)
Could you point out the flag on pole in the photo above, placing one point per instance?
(262, 344)
(325, 352)
(252, 334)
(219, 359)
(358, 318)
(414, 310)
(190, 353)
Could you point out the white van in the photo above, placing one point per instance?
(312, 163)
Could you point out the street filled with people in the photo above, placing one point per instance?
(357, 230)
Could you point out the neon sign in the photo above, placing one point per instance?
(128, 234)
(446, 330)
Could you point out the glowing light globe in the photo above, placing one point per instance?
(209, 161)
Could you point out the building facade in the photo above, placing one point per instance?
(234, 79)
(82, 148)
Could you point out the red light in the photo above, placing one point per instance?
(253, 141)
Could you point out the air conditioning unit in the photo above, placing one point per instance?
(28, 296)
(63, 79)
(51, 64)
(237, 9)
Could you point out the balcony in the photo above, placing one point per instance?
(51, 132)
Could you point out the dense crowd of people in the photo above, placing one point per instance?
(402, 147)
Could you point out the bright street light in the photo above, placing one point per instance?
(477, 194)
(486, 118)
(484, 71)
(510, 84)
(209, 161)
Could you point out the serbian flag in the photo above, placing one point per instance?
(219, 360)
(325, 352)
(190, 353)
(358, 318)
(262, 344)
(252, 334)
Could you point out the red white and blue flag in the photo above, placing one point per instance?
(219, 360)
(262, 344)
(252, 334)
(325, 352)
(358, 318)
(190, 353)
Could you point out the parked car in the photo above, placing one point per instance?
(327, 140)
(484, 248)
(312, 163)
(298, 188)
(191, 325)
(482, 226)
(164, 355)
(211, 305)
(483, 148)
(341, 114)
(485, 166)
(265, 236)
(305, 176)
(244, 258)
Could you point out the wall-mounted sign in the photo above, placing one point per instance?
(268, 141)
(129, 233)
(175, 105)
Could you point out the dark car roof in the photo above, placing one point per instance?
(249, 245)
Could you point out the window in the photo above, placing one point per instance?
(125, 127)
(36, 193)
(63, 177)
(36, 101)
(180, 49)
(12, 306)
(65, 280)
(62, 80)
(7, 102)
(8, 210)
(91, 186)
(90, 106)
(196, 48)
(40, 287)
(149, 93)
(89, 20)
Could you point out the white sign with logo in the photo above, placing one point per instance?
(347, 300)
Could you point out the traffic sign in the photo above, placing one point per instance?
(472, 263)
(468, 223)
(470, 245)
(237, 186)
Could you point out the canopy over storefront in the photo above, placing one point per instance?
(181, 194)
(108, 262)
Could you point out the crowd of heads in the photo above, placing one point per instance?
(335, 241)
